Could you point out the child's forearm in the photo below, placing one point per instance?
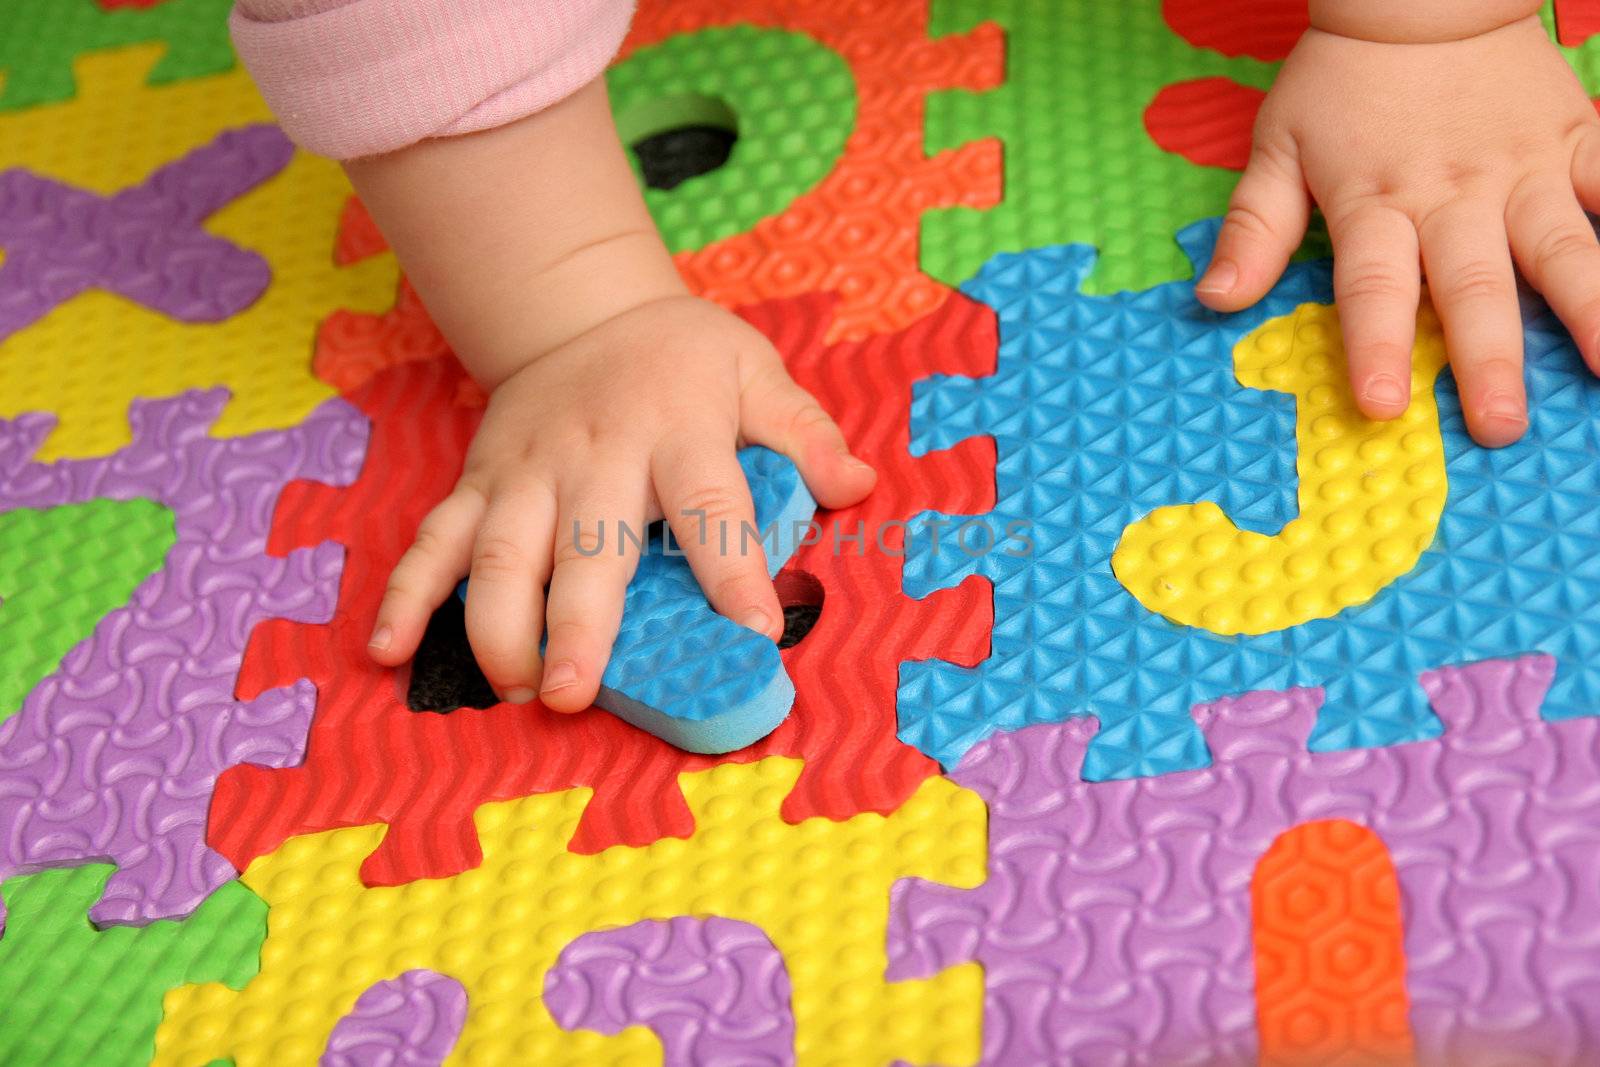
(1416, 21)
(523, 237)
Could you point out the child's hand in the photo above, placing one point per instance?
(1457, 134)
(633, 421)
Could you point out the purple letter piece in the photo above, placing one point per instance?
(1115, 925)
(409, 1021)
(113, 758)
(715, 991)
(144, 243)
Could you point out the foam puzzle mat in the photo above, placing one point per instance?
(1156, 708)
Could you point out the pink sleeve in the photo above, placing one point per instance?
(350, 78)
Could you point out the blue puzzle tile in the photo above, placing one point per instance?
(1104, 408)
(681, 671)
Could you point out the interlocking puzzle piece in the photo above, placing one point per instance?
(39, 39)
(144, 243)
(63, 568)
(791, 99)
(409, 1021)
(1330, 960)
(681, 671)
(74, 994)
(819, 889)
(714, 991)
(1208, 121)
(1576, 21)
(1107, 408)
(87, 361)
(1262, 29)
(114, 755)
(1078, 166)
(438, 768)
(678, 670)
(855, 232)
(1370, 496)
(1118, 914)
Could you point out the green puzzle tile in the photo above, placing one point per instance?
(1079, 166)
(71, 994)
(791, 100)
(61, 570)
(39, 38)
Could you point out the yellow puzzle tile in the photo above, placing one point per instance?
(1371, 494)
(820, 890)
(90, 356)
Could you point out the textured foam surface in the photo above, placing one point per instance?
(77, 995)
(40, 38)
(113, 755)
(1370, 495)
(370, 759)
(1106, 408)
(412, 1020)
(714, 991)
(791, 99)
(144, 243)
(820, 890)
(89, 358)
(1078, 164)
(1093, 885)
(63, 568)
(855, 232)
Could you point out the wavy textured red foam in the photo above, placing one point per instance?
(1265, 29)
(1576, 21)
(1206, 121)
(371, 759)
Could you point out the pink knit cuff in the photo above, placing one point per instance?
(350, 78)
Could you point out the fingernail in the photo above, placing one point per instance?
(1221, 278)
(559, 676)
(519, 695)
(857, 464)
(1386, 389)
(381, 638)
(1503, 406)
(757, 620)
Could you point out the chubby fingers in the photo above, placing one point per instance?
(1555, 246)
(706, 501)
(597, 542)
(505, 588)
(425, 575)
(1464, 247)
(1376, 284)
(777, 413)
(1266, 220)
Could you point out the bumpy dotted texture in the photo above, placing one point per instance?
(77, 995)
(114, 755)
(63, 568)
(144, 243)
(820, 890)
(793, 103)
(1078, 165)
(1129, 403)
(409, 1021)
(88, 359)
(40, 38)
(1115, 922)
(856, 232)
(1370, 496)
(1330, 961)
(370, 759)
(714, 991)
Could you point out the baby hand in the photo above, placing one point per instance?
(1449, 136)
(635, 420)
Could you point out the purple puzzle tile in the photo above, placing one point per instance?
(715, 991)
(409, 1021)
(114, 756)
(145, 242)
(1115, 924)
